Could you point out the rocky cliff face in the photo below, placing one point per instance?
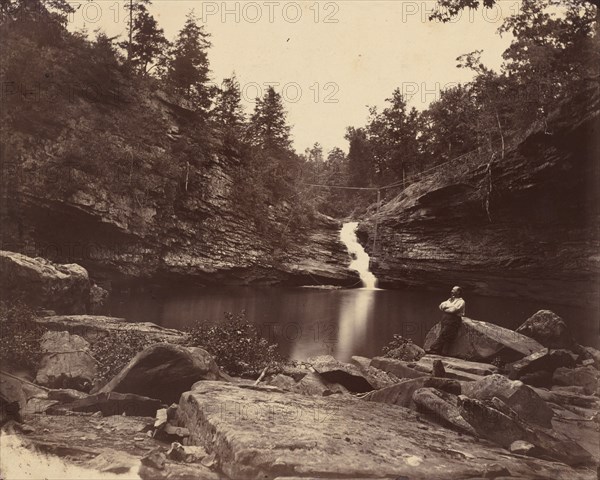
(111, 187)
(540, 238)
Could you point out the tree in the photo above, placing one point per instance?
(360, 158)
(227, 114)
(147, 41)
(188, 66)
(268, 125)
(448, 9)
(393, 136)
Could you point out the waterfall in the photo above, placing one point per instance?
(360, 262)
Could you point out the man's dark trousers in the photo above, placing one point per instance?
(449, 329)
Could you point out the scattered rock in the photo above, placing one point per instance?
(481, 341)
(444, 407)
(283, 381)
(591, 354)
(345, 374)
(67, 362)
(586, 377)
(543, 378)
(402, 393)
(548, 329)
(495, 470)
(111, 403)
(522, 399)
(164, 371)
(62, 288)
(543, 360)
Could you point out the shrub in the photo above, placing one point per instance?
(19, 336)
(237, 346)
(113, 352)
(402, 349)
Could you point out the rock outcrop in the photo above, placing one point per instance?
(540, 239)
(164, 371)
(62, 288)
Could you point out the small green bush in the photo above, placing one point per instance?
(113, 352)
(19, 336)
(237, 346)
(402, 349)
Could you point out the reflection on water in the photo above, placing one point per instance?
(343, 323)
(356, 314)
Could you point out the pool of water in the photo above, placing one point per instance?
(305, 321)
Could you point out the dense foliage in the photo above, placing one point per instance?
(237, 346)
(113, 352)
(19, 336)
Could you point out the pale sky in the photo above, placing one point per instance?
(330, 59)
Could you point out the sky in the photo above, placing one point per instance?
(330, 60)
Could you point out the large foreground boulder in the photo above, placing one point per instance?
(164, 371)
(499, 423)
(482, 341)
(258, 433)
(515, 394)
(547, 328)
(62, 288)
(67, 362)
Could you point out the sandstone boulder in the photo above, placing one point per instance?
(482, 341)
(544, 360)
(345, 374)
(164, 371)
(443, 406)
(67, 363)
(548, 329)
(264, 434)
(62, 288)
(591, 353)
(311, 384)
(522, 399)
(402, 393)
(586, 377)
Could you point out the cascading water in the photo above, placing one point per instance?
(360, 262)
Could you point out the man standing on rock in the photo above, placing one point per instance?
(454, 309)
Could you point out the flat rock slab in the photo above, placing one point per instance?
(481, 341)
(475, 368)
(265, 434)
(92, 327)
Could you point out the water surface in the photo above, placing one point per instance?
(305, 321)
